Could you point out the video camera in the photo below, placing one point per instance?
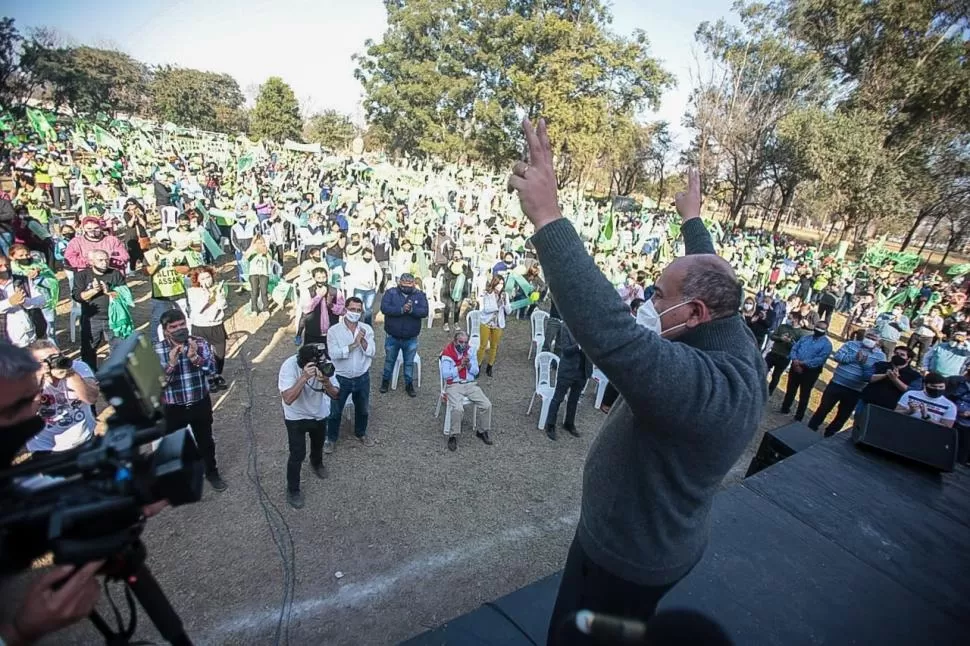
(86, 504)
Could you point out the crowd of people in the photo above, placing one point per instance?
(332, 242)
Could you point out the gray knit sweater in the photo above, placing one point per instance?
(688, 410)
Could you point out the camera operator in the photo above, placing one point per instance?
(188, 363)
(45, 607)
(68, 388)
(306, 393)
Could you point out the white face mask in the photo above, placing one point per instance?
(352, 317)
(869, 343)
(648, 317)
(748, 307)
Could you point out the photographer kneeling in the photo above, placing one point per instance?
(306, 391)
(68, 388)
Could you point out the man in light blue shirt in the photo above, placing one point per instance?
(807, 356)
(857, 361)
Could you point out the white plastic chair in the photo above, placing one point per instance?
(75, 320)
(601, 383)
(545, 384)
(473, 321)
(399, 364)
(169, 215)
(443, 398)
(434, 299)
(538, 320)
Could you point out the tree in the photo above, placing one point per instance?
(659, 157)
(197, 99)
(454, 78)
(10, 40)
(86, 79)
(277, 112)
(330, 128)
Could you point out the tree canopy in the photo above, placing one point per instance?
(277, 112)
(331, 129)
(193, 98)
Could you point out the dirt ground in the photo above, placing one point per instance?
(400, 538)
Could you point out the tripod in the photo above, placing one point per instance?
(129, 567)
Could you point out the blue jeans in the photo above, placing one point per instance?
(359, 387)
(367, 295)
(393, 345)
(239, 271)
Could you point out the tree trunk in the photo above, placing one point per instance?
(929, 235)
(829, 233)
(787, 197)
(661, 185)
(743, 220)
(912, 230)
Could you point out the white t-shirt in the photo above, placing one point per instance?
(69, 421)
(312, 402)
(940, 409)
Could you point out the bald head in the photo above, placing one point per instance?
(701, 287)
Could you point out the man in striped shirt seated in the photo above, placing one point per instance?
(929, 404)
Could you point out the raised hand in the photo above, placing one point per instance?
(689, 202)
(535, 181)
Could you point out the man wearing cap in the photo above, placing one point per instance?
(166, 269)
(93, 237)
(363, 278)
(404, 307)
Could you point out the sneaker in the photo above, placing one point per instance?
(241, 290)
(409, 389)
(452, 443)
(297, 340)
(320, 471)
(216, 481)
(366, 441)
(551, 432)
(483, 436)
(327, 447)
(785, 412)
(571, 429)
(447, 328)
(295, 498)
(385, 385)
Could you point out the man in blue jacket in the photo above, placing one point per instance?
(403, 308)
(808, 357)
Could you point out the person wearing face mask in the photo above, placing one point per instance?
(403, 261)
(323, 309)
(166, 269)
(403, 307)
(495, 307)
(857, 362)
(363, 276)
(505, 265)
(692, 392)
(459, 367)
(207, 315)
(92, 237)
(951, 357)
(187, 362)
(241, 237)
(351, 346)
(93, 289)
(890, 379)
(929, 404)
(783, 339)
(455, 287)
(21, 317)
(891, 327)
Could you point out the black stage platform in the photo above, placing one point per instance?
(834, 545)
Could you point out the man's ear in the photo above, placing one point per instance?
(698, 313)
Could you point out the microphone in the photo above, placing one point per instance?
(610, 629)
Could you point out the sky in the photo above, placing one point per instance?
(309, 43)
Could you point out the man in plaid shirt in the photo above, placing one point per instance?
(187, 362)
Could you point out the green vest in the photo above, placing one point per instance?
(167, 283)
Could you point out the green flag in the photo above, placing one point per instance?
(40, 125)
(79, 141)
(606, 240)
(245, 163)
(105, 139)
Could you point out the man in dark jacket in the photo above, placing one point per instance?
(403, 307)
(572, 374)
(692, 391)
(784, 338)
(163, 193)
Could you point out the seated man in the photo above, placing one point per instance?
(459, 367)
(929, 404)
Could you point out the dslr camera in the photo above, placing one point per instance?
(58, 361)
(314, 355)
